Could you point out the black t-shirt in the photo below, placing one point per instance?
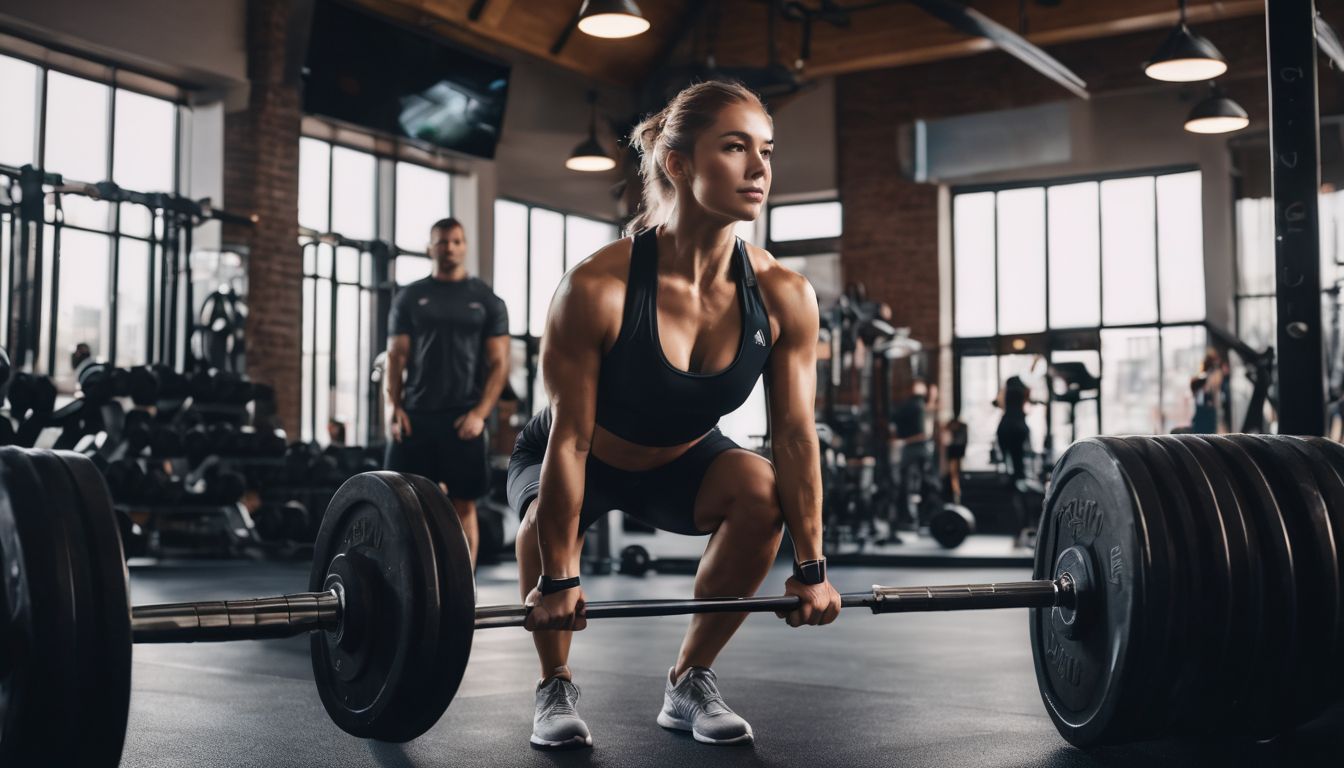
(909, 417)
(448, 323)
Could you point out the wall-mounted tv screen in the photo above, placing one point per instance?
(366, 70)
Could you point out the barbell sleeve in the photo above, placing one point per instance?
(258, 619)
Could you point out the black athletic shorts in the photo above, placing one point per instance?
(434, 450)
(663, 497)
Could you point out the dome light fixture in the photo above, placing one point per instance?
(589, 156)
(1217, 114)
(612, 19)
(1185, 57)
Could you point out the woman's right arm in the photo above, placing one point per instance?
(571, 356)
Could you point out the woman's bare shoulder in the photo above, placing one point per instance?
(597, 284)
(780, 285)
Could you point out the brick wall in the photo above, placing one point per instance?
(261, 175)
(890, 239)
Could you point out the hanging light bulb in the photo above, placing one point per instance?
(612, 18)
(1216, 114)
(1185, 57)
(589, 156)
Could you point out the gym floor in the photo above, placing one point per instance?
(940, 689)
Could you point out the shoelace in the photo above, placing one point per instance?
(559, 701)
(702, 681)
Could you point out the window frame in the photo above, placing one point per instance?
(115, 78)
(1051, 339)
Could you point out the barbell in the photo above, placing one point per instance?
(1182, 585)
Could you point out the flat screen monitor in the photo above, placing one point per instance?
(371, 72)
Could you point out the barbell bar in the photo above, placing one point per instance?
(289, 615)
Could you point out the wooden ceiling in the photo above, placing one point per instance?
(878, 37)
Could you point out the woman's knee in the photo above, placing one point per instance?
(749, 497)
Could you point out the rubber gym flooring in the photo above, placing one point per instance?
(941, 689)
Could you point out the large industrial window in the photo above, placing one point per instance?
(350, 263)
(534, 247)
(1106, 272)
(100, 291)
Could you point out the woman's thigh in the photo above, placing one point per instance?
(738, 483)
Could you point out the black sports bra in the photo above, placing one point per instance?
(641, 397)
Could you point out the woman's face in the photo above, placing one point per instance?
(729, 171)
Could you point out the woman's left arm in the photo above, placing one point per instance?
(792, 391)
(792, 388)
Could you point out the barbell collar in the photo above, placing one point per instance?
(969, 597)
(259, 619)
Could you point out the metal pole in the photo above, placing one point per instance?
(1294, 136)
(289, 615)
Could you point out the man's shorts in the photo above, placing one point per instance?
(663, 497)
(434, 450)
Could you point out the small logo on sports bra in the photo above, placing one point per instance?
(760, 338)
(424, 301)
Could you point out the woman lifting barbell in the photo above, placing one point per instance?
(648, 343)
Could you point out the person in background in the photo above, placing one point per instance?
(449, 335)
(909, 420)
(1013, 433)
(955, 438)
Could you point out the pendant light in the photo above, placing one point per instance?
(1216, 114)
(589, 156)
(1185, 57)
(612, 18)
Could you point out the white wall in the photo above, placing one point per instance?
(199, 44)
(805, 149)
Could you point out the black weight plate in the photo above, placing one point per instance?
(1200, 624)
(1094, 683)
(105, 698)
(1276, 661)
(1327, 459)
(375, 519)
(46, 719)
(457, 616)
(951, 525)
(1315, 565)
(110, 690)
(1159, 551)
(1242, 590)
(16, 623)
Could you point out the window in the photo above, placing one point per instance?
(347, 287)
(534, 247)
(1105, 272)
(804, 221)
(100, 290)
(339, 193)
(1256, 319)
(805, 237)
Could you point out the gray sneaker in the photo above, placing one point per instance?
(694, 704)
(556, 724)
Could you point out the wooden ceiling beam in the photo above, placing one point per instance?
(900, 34)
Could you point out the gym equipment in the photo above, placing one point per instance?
(951, 525)
(1182, 585)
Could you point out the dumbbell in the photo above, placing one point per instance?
(166, 442)
(125, 480)
(142, 385)
(137, 429)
